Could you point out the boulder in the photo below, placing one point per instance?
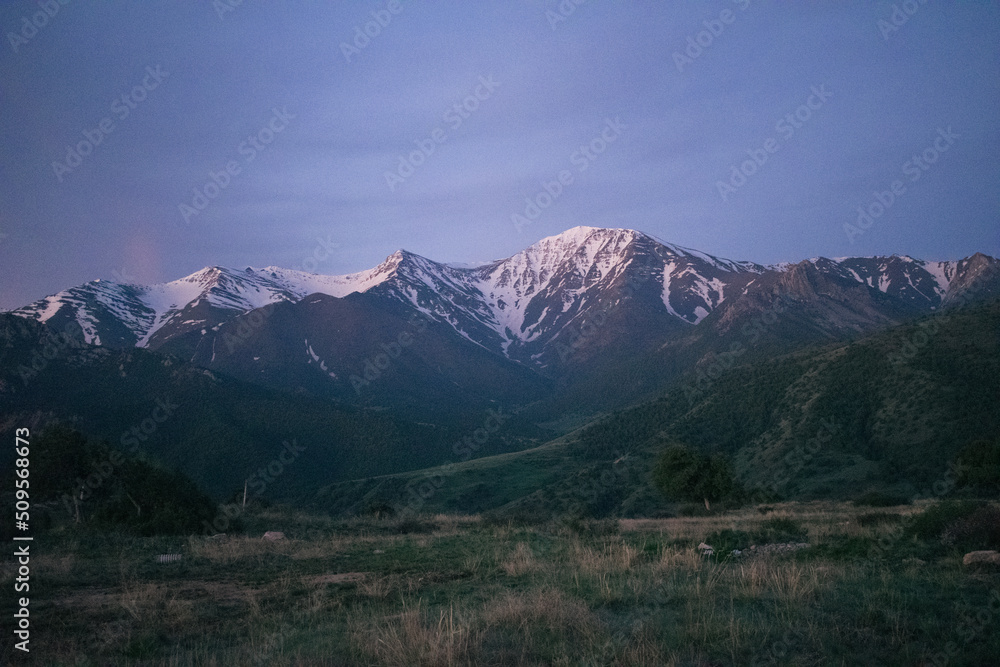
(274, 535)
(982, 558)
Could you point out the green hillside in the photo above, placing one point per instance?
(887, 412)
(217, 430)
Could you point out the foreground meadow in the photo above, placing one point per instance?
(449, 590)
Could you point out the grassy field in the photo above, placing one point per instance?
(452, 590)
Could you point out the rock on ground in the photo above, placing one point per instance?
(982, 558)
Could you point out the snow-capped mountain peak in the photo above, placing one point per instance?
(513, 306)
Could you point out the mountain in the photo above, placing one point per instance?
(521, 306)
(124, 315)
(394, 369)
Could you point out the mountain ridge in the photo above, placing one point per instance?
(515, 306)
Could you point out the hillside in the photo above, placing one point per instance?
(218, 430)
(889, 411)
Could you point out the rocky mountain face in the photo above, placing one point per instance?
(564, 306)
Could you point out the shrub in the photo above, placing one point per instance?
(979, 530)
(931, 523)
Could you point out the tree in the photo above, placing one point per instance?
(683, 474)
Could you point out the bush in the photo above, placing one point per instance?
(932, 522)
(122, 490)
(979, 530)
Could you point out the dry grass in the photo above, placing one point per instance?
(414, 637)
(378, 587)
(787, 581)
(612, 557)
(469, 594)
(545, 608)
(519, 562)
(677, 559)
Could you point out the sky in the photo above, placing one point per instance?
(143, 141)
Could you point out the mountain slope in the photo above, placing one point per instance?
(889, 411)
(369, 352)
(217, 430)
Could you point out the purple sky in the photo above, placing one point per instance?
(819, 104)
